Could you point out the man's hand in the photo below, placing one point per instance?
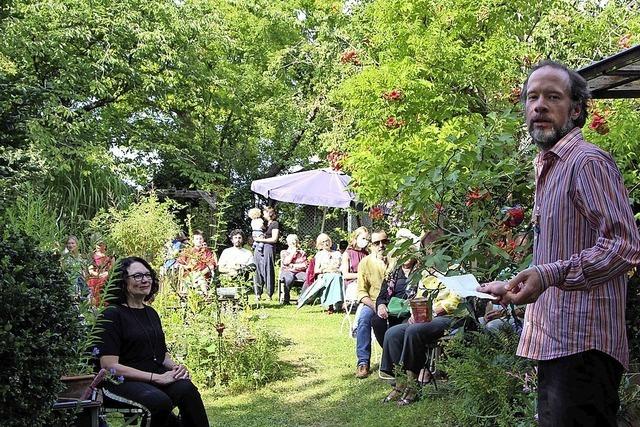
(383, 312)
(526, 287)
(498, 289)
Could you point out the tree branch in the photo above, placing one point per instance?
(277, 167)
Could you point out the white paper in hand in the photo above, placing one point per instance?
(464, 285)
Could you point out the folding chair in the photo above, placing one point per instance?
(434, 352)
(350, 293)
(296, 283)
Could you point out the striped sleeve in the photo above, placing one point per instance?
(602, 199)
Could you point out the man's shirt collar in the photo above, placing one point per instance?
(563, 148)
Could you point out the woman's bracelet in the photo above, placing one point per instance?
(151, 379)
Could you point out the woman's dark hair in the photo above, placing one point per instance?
(118, 286)
(273, 215)
(579, 91)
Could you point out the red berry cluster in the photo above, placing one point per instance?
(476, 195)
(350, 57)
(515, 216)
(514, 95)
(394, 123)
(393, 95)
(335, 159)
(376, 213)
(599, 124)
(625, 41)
(509, 246)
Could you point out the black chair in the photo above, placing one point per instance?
(132, 412)
(296, 283)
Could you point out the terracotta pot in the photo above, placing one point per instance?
(75, 386)
(421, 309)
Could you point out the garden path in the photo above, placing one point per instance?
(319, 388)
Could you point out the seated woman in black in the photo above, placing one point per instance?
(396, 285)
(133, 344)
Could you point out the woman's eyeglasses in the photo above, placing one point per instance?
(139, 276)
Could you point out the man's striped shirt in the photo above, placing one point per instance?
(585, 242)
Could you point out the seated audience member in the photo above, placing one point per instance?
(173, 251)
(356, 251)
(132, 344)
(236, 260)
(404, 344)
(371, 272)
(293, 266)
(99, 268)
(397, 285)
(327, 269)
(198, 262)
(76, 268)
(497, 317)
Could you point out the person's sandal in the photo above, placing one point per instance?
(393, 395)
(410, 396)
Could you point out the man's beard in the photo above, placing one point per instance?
(546, 139)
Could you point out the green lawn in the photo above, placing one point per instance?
(319, 388)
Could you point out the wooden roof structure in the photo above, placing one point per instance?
(617, 76)
(210, 198)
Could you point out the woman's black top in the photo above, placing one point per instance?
(135, 336)
(396, 285)
(274, 225)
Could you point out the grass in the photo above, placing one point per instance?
(319, 387)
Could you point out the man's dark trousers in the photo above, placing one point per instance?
(579, 390)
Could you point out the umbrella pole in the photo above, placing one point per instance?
(324, 215)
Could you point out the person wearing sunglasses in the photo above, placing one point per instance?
(132, 346)
(371, 272)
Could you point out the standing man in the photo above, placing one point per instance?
(585, 241)
(235, 259)
(371, 272)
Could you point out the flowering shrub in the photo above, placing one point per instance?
(243, 356)
(497, 387)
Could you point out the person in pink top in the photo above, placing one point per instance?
(294, 265)
(356, 250)
(585, 241)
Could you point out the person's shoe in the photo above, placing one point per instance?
(410, 396)
(395, 394)
(362, 371)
